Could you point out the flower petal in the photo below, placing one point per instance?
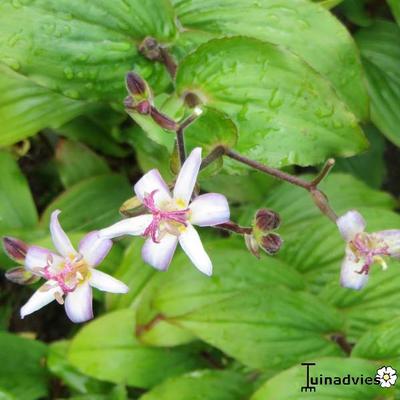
(209, 209)
(94, 248)
(107, 283)
(131, 226)
(149, 182)
(385, 384)
(59, 237)
(392, 379)
(38, 257)
(350, 224)
(78, 304)
(391, 239)
(187, 177)
(39, 299)
(349, 276)
(192, 246)
(159, 255)
(390, 371)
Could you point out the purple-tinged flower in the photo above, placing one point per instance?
(70, 274)
(364, 249)
(170, 218)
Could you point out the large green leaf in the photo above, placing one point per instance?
(206, 384)
(380, 51)
(17, 209)
(303, 27)
(267, 328)
(22, 372)
(81, 50)
(26, 108)
(395, 7)
(108, 350)
(287, 385)
(90, 204)
(286, 113)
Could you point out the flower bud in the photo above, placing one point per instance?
(271, 243)
(135, 84)
(252, 245)
(132, 207)
(162, 120)
(150, 49)
(267, 220)
(143, 108)
(21, 276)
(16, 249)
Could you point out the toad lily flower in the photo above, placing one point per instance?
(69, 273)
(364, 249)
(170, 217)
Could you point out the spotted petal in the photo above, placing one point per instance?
(159, 255)
(106, 283)
(150, 182)
(38, 257)
(131, 226)
(187, 177)
(192, 246)
(78, 304)
(349, 276)
(209, 209)
(94, 248)
(350, 224)
(59, 237)
(40, 298)
(390, 238)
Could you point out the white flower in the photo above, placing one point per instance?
(171, 217)
(386, 376)
(69, 273)
(363, 249)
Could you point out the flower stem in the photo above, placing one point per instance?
(233, 227)
(215, 154)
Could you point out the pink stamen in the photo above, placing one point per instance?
(60, 277)
(178, 216)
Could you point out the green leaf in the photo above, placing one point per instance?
(80, 51)
(359, 166)
(206, 384)
(294, 24)
(395, 7)
(108, 350)
(380, 51)
(267, 328)
(75, 162)
(17, 209)
(90, 204)
(286, 113)
(26, 108)
(182, 289)
(287, 385)
(22, 372)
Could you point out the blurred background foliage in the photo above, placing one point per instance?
(286, 82)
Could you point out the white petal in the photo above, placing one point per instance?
(349, 276)
(187, 176)
(390, 371)
(159, 255)
(38, 257)
(209, 209)
(107, 283)
(94, 248)
(78, 304)
(350, 224)
(39, 299)
(392, 379)
(59, 237)
(385, 384)
(391, 239)
(149, 182)
(131, 226)
(192, 246)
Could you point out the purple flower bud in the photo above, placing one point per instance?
(150, 49)
(16, 249)
(143, 108)
(21, 276)
(128, 102)
(162, 120)
(267, 220)
(271, 243)
(252, 245)
(135, 84)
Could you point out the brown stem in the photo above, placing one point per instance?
(140, 329)
(213, 156)
(323, 173)
(341, 340)
(233, 227)
(168, 61)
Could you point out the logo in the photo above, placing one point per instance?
(385, 377)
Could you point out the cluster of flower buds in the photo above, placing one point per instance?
(140, 100)
(262, 235)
